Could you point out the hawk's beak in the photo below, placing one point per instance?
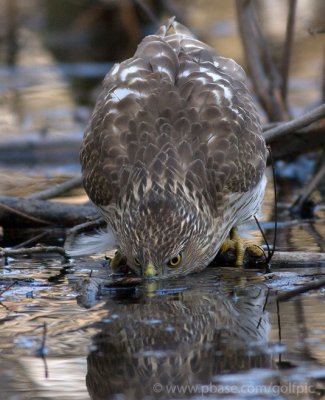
(150, 271)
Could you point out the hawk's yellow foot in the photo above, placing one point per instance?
(118, 262)
(239, 246)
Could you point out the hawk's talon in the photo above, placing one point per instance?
(239, 246)
(255, 251)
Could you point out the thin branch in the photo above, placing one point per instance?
(90, 225)
(57, 190)
(32, 250)
(300, 122)
(288, 47)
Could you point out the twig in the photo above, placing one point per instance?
(302, 289)
(31, 250)
(86, 226)
(269, 125)
(57, 190)
(288, 127)
(287, 48)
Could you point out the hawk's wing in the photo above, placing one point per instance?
(175, 115)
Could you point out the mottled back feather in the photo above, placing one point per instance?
(175, 112)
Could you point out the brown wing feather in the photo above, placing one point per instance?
(174, 112)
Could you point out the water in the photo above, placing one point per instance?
(68, 334)
(216, 332)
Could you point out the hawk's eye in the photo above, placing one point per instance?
(175, 261)
(136, 262)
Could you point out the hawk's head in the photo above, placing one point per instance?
(166, 235)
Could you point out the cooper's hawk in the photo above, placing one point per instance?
(173, 156)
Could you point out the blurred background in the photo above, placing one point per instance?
(53, 54)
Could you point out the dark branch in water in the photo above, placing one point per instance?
(302, 289)
(291, 126)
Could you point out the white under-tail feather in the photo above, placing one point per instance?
(83, 245)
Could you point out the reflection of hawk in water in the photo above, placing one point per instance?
(174, 156)
(181, 339)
